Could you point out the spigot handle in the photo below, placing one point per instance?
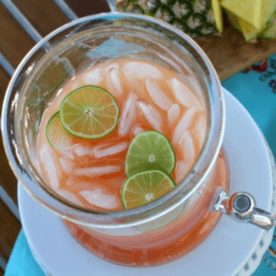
(241, 206)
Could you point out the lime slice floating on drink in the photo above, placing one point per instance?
(56, 134)
(145, 187)
(149, 150)
(89, 112)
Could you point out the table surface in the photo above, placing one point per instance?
(45, 16)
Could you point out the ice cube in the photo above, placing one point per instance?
(93, 77)
(169, 61)
(173, 114)
(197, 90)
(141, 70)
(114, 83)
(74, 85)
(157, 95)
(80, 150)
(50, 166)
(70, 181)
(187, 147)
(111, 66)
(128, 116)
(104, 151)
(137, 130)
(183, 125)
(67, 153)
(66, 165)
(152, 116)
(34, 158)
(200, 128)
(181, 170)
(184, 94)
(70, 197)
(97, 171)
(101, 198)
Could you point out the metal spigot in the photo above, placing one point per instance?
(241, 206)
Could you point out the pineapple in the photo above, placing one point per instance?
(196, 18)
(270, 31)
(254, 18)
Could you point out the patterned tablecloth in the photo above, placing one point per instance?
(256, 90)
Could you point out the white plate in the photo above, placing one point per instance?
(227, 251)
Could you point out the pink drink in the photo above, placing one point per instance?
(90, 173)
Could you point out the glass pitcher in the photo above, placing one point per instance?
(162, 230)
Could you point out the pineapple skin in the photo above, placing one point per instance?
(193, 17)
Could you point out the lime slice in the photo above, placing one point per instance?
(145, 187)
(56, 134)
(149, 150)
(89, 112)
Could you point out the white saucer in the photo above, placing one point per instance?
(231, 249)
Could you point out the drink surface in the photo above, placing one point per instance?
(90, 173)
